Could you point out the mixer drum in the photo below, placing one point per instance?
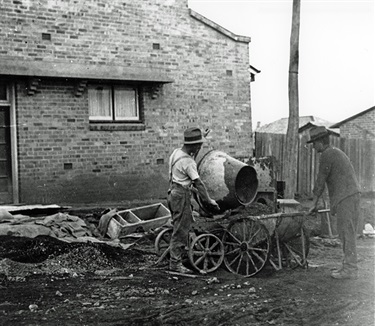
(228, 181)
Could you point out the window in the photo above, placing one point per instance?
(113, 103)
(3, 91)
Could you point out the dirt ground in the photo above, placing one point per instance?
(47, 283)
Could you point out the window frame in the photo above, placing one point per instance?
(114, 116)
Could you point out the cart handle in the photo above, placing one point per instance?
(282, 215)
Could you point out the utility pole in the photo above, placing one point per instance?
(291, 157)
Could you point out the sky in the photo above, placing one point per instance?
(336, 54)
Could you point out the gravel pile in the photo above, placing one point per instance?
(255, 209)
(21, 257)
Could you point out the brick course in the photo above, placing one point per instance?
(62, 159)
(361, 127)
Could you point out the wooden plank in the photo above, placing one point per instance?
(31, 208)
(283, 154)
(368, 168)
(182, 274)
(287, 215)
(359, 157)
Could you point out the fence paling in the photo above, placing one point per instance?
(360, 152)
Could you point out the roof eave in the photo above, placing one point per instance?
(220, 29)
(338, 124)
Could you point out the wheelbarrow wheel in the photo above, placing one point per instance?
(246, 246)
(206, 253)
(162, 241)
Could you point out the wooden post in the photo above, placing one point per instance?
(293, 122)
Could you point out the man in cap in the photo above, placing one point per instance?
(183, 175)
(337, 172)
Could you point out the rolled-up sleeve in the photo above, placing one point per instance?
(191, 170)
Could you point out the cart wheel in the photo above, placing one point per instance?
(162, 241)
(297, 249)
(247, 246)
(206, 253)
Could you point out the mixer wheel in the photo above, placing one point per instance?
(247, 246)
(206, 253)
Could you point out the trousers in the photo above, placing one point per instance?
(347, 221)
(179, 201)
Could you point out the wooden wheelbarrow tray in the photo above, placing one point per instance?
(139, 219)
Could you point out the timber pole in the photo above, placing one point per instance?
(291, 155)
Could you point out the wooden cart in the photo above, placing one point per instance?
(245, 245)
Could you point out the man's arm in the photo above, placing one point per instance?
(314, 207)
(324, 171)
(203, 194)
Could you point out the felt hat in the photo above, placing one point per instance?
(193, 136)
(317, 133)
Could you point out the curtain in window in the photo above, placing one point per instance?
(100, 102)
(126, 107)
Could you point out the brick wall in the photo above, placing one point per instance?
(361, 127)
(61, 159)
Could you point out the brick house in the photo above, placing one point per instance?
(95, 94)
(358, 126)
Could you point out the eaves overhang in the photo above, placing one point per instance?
(28, 68)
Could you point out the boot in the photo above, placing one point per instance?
(179, 268)
(345, 274)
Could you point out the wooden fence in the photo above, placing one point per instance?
(360, 152)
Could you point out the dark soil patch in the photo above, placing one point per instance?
(45, 281)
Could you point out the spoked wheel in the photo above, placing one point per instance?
(206, 253)
(247, 246)
(297, 248)
(162, 242)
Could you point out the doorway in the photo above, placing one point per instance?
(8, 188)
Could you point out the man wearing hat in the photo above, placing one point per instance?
(183, 174)
(336, 171)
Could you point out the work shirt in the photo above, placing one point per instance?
(337, 172)
(182, 168)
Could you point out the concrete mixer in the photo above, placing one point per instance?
(244, 244)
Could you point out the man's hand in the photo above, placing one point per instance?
(313, 210)
(314, 207)
(213, 204)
